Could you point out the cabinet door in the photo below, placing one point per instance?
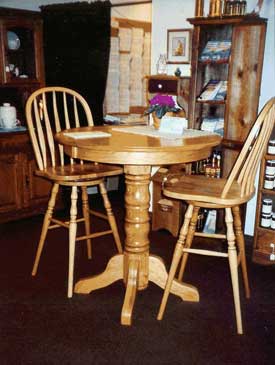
(244, 80)
(21, 41)
(36, 189)
(10, 183)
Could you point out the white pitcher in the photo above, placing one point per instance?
(7, 116)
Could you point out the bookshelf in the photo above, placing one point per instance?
(241, 69)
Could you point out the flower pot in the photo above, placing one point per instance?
(157, 121)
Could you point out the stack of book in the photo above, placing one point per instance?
(214, 90)
(216, 51)
(213, 124)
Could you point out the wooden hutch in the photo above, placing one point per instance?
(21, 72)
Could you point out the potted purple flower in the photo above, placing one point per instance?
(161, 104)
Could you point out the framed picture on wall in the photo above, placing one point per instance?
(179, 45)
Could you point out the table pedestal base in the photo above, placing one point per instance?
(114, 271)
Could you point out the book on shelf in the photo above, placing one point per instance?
(214, 90)
(221, 94)
(216, 51)
(213, 124)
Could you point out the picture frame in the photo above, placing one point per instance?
(179, 46)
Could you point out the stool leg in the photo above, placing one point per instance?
(46, 223)
(233, 264)
(72, 236)
(189, 240)
(175, 261)
(110, 215)
(86, 215)
(241, 245)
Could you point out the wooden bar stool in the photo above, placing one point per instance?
(48, 111)
(201, 192)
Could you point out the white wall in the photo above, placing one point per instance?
(170, 14)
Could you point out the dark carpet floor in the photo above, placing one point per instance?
(39, 325)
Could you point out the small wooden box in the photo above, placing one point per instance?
(167, 213)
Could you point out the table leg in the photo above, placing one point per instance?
(158, 275)
(112, 273)
(130, 295)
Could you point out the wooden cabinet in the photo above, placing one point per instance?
(167, 213)
(21, 72)
(172, 85)
(21, 193)
(242, 71)
(264, 236)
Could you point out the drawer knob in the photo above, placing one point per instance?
(159, 86)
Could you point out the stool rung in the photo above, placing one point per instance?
(205, 252)
(92, 235)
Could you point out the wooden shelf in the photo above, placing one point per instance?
(265, 229)
(226, 19)
(231, 144)
(218, 102)
(268, 191)
(269, 157)
(213, 62)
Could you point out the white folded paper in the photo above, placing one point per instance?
(174, 125)
(78, 135)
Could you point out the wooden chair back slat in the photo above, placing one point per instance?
(245, 167)
(65, 109)
(76, 117)
(48, 111)
(58, 128)
(49, 134)
(246, 174)
(36, 145)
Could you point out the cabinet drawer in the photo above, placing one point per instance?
(10, 183)
(265, 238)
(163, 86)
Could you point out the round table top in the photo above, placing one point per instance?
(136, 149)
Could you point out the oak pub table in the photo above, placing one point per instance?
(137, 153)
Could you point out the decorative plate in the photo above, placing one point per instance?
(13, 41)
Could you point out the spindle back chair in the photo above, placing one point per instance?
(48, 111)
(225, 193)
